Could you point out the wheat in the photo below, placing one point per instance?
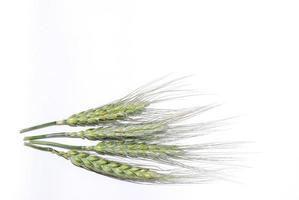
(157, 130)
(129, 172)
(130, 128)
(170, 154)
(135, 103)
(106, 167)
(119, 132)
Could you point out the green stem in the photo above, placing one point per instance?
(51, 135)
(48, 149)
(64, 146)
(38, 126)
(38, 147)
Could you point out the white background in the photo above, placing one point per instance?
(58, 57)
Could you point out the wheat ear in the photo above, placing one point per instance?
(120, 132)
(106, 167)
(131, 105)
(164, 128)
(132, 173)
(150, 132)
(170, 154)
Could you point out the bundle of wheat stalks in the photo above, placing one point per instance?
(143, 144)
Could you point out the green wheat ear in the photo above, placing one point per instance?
(106, 167)
(104, 114)
(132, 173)
(120, 132)
(134, 104)
(162, 131)
(124, 149)
(175, 155)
